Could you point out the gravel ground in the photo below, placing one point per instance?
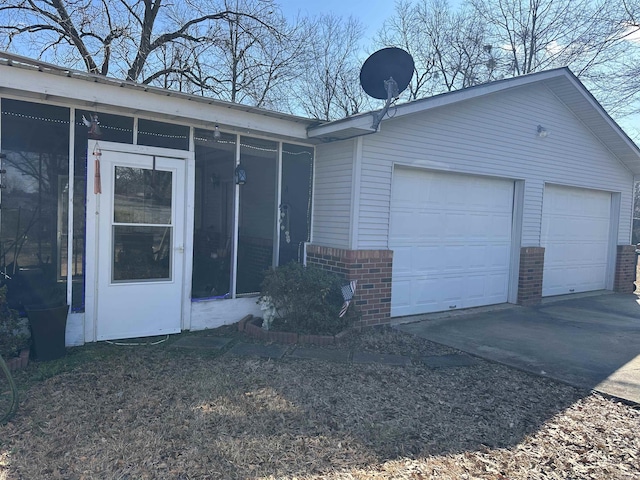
(108, 412)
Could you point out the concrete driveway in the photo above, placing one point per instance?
(590, 341)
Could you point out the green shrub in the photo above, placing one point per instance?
(306, 299)
(12, 335)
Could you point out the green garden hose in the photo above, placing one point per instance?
(11, 395)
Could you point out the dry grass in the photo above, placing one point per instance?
(159, 412)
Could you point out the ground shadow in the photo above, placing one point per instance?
(164, 413)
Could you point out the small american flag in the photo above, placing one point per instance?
(347, 294)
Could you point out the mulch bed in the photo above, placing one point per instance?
(159, 412)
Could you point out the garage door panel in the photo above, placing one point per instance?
(501, 227)
(573, 279)
(401, 292)
(486, 257)
(452, 259)
(423, 292)
(453, 225)
(484, 288)
(460, 227)
(402, 256)
(475, 225)
(575, 235)
(496, 256)
(426, 260)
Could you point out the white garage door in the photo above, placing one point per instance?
(575, 235)
(451, 241)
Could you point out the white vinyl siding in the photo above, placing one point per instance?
(332, 194)
(495, 136)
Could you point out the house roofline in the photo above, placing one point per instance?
(304, 129)
(28, 67)
(442, 99)
(561, 82)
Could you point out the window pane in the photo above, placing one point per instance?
(142, 196)
(213, 220)
(141, 253)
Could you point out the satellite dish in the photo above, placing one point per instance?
(385, 75)
(383, 65)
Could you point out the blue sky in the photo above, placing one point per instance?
(371, 13)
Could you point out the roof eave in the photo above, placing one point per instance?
(26, 77)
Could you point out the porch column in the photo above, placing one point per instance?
(626, 263)
(372, 270)
(530, 275)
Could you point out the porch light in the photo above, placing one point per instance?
(216, 132)
(241, 175)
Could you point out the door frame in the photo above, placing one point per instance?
(92, 228)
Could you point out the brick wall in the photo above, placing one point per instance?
(530, 275)
(625, 269)
(372, 270)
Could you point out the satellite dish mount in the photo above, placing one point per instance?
(384, 75)
(392, 93)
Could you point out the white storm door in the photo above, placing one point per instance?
(575, 236)
(140, 245)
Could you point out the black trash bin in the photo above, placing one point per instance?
(48, 325)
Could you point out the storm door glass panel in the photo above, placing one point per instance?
(142, 224)
(257, 216)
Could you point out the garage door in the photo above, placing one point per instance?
(451, 241)
(575, 235)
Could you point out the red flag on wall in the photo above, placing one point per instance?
(97, 184)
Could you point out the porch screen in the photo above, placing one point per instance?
(33, 225)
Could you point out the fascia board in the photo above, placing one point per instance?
(363, 123)
(138, 100)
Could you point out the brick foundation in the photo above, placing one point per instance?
(530, 275)
(372, 270)
(625, 275)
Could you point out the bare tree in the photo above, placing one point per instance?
(139, 40)
(449, 48)
(542, 34)
(248, 56)
(403, 30)
(329, 86)
(619, 82)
